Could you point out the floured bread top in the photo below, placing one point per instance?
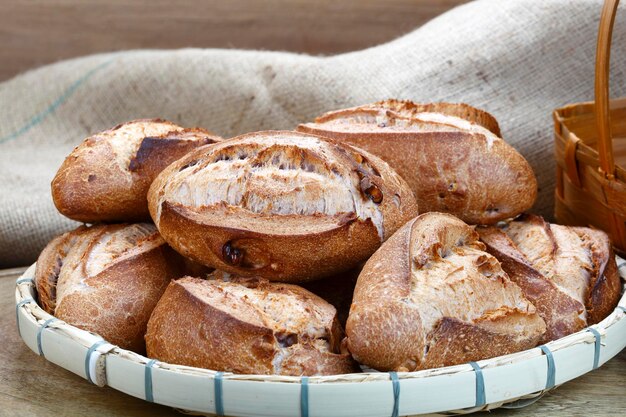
(86, 252)
(279, 174)
(560, 253)
(452, 276)
(282, 308)
(126, 138)
(293, 314)
(398, 116)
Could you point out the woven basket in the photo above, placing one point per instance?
(510, 381)
(590, 141)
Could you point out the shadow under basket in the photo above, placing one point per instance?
(590, 145)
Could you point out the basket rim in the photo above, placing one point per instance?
(585, 107)
(584, 152)
(26, 296)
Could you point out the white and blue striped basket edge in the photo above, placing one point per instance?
(513, 380)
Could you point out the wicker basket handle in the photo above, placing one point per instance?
(603, 116)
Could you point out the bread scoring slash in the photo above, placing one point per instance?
(247, 326)
(569, 273)
(106, 177)
(281, 205)
(432, 297)
(451, 155)
(107, 279)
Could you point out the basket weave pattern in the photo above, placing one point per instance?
(590, 145)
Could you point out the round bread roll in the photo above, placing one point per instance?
(282, 205)
(247, 326)
(106, 177)
(451, 155)
(431, 297)
(107, 279)
(568, 273)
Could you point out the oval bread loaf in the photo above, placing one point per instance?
(568, 273)
(106, 177)
(281, 205)
(247, 326)
(451, 155)
(431, 297)
(107, 279)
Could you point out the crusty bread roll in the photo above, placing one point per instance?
(246, 326)
(451, 155)
(568, 273)
(281, 205)
(107, 176)
(107, 279)
(431, 297)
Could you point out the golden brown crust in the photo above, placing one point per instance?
(605, 289)
(258, 221)
(561, 312)
(407, 108)
(461, 110)
(206, 324)
(429, 283)
(49, 266)
(569, 273)
(106, 178)
(462, 170)
(289, 258)
(107, 279)
(456, 339)
(121, 299)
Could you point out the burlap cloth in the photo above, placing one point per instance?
(518, 59)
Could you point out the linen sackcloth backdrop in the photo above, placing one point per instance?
(518, 59)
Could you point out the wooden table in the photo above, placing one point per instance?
(38, 32)
(32, 386)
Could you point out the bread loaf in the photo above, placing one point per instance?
(451, 155)
(431, 297)
(568, 273)
(281, 205)
(107, 279)
(246, 326)
(106, 177)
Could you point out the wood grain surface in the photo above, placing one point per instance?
(31, 386)
(38, 32)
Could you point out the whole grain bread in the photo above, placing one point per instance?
(431, 297)
(107, 176)
(568, 273)
(282, 205)
(247, 326)
(451, 155)
(107, 279)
